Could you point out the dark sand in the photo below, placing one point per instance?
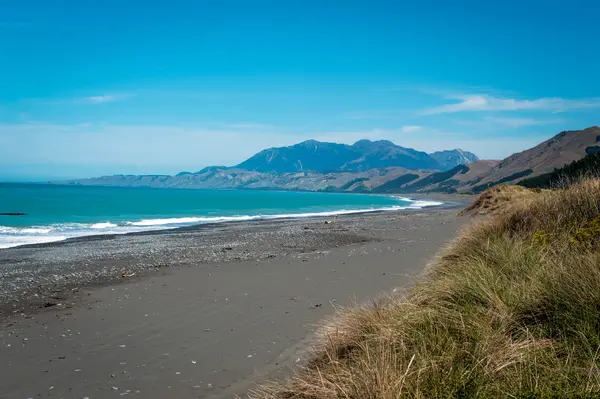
(209, 312)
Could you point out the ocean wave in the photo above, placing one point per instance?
(417, 204)
(105, 225)
(38, 230)
(190, 220)
(17, 241)
(424, 204)
(11, 236)
(25, 230)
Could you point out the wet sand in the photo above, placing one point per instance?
(208, 313)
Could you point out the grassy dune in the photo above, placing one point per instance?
(511, 309)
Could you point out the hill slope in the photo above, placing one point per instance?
(589, 166)
(562, 149)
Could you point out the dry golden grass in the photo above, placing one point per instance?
(510, 310)
(498, 199)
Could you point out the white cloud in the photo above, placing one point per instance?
(247, 125)
(373, 114)
(517, 122)
(99, 99)
(495, 123)
(484, 102)
(104, 98)
(410, 129)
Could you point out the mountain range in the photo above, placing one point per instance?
(315, 156)
(372, 166)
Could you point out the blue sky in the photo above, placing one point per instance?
(91, 88)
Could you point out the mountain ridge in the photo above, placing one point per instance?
(317, 156)
(343, 171)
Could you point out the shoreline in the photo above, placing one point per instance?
(427, 200)
(60, 269)
(210, 311)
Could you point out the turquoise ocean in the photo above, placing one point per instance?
(55, 213)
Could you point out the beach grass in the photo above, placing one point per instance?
(510, 309)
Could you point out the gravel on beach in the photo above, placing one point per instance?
(45, 275)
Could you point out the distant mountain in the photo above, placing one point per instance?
(318, 156)
(308, 166)
(449, 159)
(309, 155)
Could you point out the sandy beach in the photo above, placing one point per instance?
(203, 312)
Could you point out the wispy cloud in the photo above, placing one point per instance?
(373, 114)
(99, 99)
(93, 99)
(106, 98)
(410, 129)
(485, 102)
(247, 125)
(495, 122)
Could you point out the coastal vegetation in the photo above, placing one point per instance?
(588, 166)
(509, 310)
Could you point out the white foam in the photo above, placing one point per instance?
(26, 230)
(17, 241)
(423, 204)
(330, 213)
(6, 230)
(37, 230)
(190, 220)
(105, 225)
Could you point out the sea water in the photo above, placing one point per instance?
(55, 213)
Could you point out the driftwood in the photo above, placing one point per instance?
(12, 214)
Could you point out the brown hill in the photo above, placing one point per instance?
(556, 152)
(477, 170)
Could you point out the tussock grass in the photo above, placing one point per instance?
(499, 199)
(511, 309)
